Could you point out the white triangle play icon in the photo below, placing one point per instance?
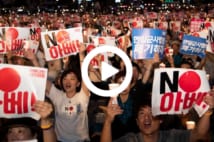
(107, 71)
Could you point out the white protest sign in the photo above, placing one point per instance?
(61, 43)
(101, 40)
(27, 44)
(20, 87)
(123, 42)
(32, 42)
(12, 38)
(195, 24)
(175, 91)
(95, 61)
(175, 25)
(136, 23)
(161, 25)
(35, 33)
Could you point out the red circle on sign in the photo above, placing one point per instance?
(134, 24)
(12, 33)
(10, 79)
(189, 81)
(101, 40)
(62, 36)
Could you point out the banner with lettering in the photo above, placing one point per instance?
(12, 38)
(146, 42)
(176, 90)
(61, 43)
(20, 87)
(27, 44)
(192, 45)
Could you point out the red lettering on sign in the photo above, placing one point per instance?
(18, 102)
(64, 49)
(32, 101)
(180, 101)
(166, 97)
(35, 37)
(189, 100)
(16, 44)
(37, 73)
(200, 98)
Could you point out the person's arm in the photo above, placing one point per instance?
(203, 126)
(28, 53)
(81, 57)
(48, 87)
(46, 123)
(48, 130)
(148, 63)
(111, 111)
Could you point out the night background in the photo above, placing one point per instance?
(32, 4)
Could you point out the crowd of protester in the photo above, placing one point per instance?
(74, 114)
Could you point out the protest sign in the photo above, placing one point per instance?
(111, 31)
(61, 43)
(35, 33)
(20, 87)
(175, 26)
(12, 38)
(176, 91)
(160, 25)
(136, 23)
(192, 45)
(195, 24)
(99, 58)
(101, 40)
(146, 42)
(123, 42)
(27, 44)
(151, 15)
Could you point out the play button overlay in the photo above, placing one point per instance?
(107, 71)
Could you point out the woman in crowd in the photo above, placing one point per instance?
(71, 104)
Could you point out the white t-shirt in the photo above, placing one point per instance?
(71, 120)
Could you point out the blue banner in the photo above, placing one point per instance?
(192, 45)
(146, 42)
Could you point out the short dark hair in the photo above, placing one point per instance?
(137, 66)
(145, 101)
(188, 61)
(76, 72)
(27, 122)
